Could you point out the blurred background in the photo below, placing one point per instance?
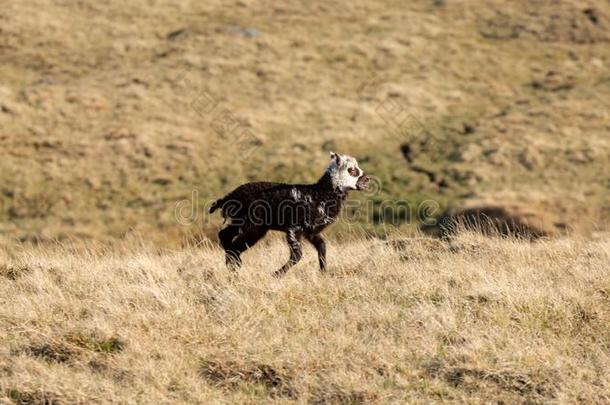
(117, 115)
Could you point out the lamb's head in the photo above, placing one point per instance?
(345, 173)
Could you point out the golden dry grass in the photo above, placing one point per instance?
(486, 320)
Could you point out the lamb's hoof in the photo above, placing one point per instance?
(233, 263)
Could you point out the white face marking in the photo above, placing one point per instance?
(344, 171)
(294, 193)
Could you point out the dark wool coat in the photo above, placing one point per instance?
(305, 208)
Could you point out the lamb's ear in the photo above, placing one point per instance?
(337, 158)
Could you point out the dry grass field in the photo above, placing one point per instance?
(488, 320)
(120, 121)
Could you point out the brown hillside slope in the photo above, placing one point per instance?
(111, 113)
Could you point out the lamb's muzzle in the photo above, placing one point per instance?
(363, 182)
(298, 210)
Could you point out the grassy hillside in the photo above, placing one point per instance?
(112, 113)
(489, 321)
(120, 121)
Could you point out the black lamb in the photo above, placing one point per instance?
(299, 210)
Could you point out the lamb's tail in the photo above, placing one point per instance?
(216, 204)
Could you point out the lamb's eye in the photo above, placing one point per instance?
(353, 171)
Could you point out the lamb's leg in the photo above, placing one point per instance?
(246, 240)
(226, 236)
(296, 252)
(317, 241)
